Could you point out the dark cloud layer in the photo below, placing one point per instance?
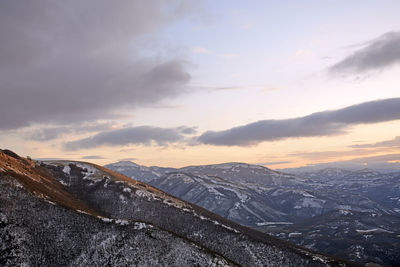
(140, 135)
(377, 54)
(317, 124)
(68, 61)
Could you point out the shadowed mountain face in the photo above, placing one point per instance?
(332, 211)
(73, 213)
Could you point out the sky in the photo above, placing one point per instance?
(174, 83)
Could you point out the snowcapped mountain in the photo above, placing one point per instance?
(383, 188)
(277, 203)
(246, 173)
(251, 204)
(326, 174)
(77, 213)
(135, 171)
(337, 174)
(241, 203)
(233, 172)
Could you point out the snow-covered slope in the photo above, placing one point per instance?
(277, 203)
(241, 203)
(68, 213)
(139, 172)
(246, 173)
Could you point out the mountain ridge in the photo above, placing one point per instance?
(119, 200)
(278, 203)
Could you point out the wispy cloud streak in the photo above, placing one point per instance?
(378, 54)
(139, 135)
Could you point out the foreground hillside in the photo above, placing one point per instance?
(73, 213)
(350, 214)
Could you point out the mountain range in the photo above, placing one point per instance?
(347, 213)
(68, 213)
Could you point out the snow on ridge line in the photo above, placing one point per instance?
(83, 212)
(216, 223)
(90, 169)
(141, 192)
(122, 222)
(91, 172)
(375, 230)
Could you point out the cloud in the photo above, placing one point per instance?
(380, 158)
(324, 123)
(139, 135)
(92, 157)
(323, 155)
(389, 143)
(187, 130)
(45, 134)
(378, 54)
(72, 61)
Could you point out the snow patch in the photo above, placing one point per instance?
(317, 258)
(294, 234)
(104, 219)
(273, 223)
(345, 212)
(127, 190)
(310, 203)
(140, 226)
(375, 230)
(67, 169)
(156, 173)
(305, 194)
(122, 198)
(50, 202)
(122, 222)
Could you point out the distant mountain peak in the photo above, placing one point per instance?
(229, 165)
(125, 163)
